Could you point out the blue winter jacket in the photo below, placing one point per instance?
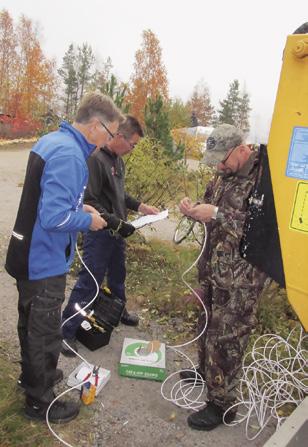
(50, 211)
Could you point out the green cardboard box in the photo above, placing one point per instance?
(135, 362)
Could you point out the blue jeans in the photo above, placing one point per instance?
(103, 254)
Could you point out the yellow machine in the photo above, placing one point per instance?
(288, 158)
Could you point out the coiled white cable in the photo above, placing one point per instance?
(186, 394)
(277, 375)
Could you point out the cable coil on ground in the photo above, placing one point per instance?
(275, 375)
(184, 394)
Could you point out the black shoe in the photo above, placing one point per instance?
(65, 350)
(209, 417)
(58, 378)
(60, 412)
(129, 319)
(190, 376)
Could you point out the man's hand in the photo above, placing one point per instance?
(186, 206)
(126, 229)
(147, 209)
(203, 212)
(90, 209)
(98, 223)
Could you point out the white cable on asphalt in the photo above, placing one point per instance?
(184, 394)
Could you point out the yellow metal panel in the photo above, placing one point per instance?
(288, 157)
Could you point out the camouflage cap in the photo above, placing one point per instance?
(223, 138)
(303, 29)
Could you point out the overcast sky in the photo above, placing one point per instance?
(215, 41)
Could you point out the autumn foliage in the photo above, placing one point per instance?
(149, 79)
(11, 128)
(200, 105)
(35, 93)
(27, 77)
(193, 144)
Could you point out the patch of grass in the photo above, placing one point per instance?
(155, 288)
(16, 430)
(154, 283)
(275, 314)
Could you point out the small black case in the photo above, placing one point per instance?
(108, 309)
(107, 312)
(92, 338)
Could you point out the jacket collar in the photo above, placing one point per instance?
(109, 152)
(86, 147)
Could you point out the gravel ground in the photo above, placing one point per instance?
(134, 413)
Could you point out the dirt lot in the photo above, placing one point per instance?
(134, 412)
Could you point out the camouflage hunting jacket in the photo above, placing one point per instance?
(221, 264)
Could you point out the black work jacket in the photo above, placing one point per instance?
(106, 187)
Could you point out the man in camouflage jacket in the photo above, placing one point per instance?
(231, 285)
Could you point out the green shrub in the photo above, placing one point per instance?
(151, 176)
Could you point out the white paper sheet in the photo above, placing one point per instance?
(150, 218)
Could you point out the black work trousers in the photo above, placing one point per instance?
(39, 331)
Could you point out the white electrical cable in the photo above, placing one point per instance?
(79, 311)
(51, 404)
(83, 359)
(184, 394)
(277, 375)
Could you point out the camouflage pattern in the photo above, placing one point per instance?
(223, 138)
(232, 287)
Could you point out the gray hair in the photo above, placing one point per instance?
(98, 105)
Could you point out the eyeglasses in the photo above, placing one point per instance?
(107, 130)
(230, 151)
(132, 145)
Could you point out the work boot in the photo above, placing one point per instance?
(60, 411)
(58, 378)
(190, 376)
(129, 319)
(65, 350)
(209, 417)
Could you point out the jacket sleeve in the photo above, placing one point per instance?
(97, 178)
(131, 203)
(61, 187)
(231, 216)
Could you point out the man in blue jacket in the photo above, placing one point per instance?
(41, 249)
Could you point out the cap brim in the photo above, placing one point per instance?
(212, 158)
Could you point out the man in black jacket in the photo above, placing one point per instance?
(104, 252)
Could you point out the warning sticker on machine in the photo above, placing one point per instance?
(299, 219)
(297, 166)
